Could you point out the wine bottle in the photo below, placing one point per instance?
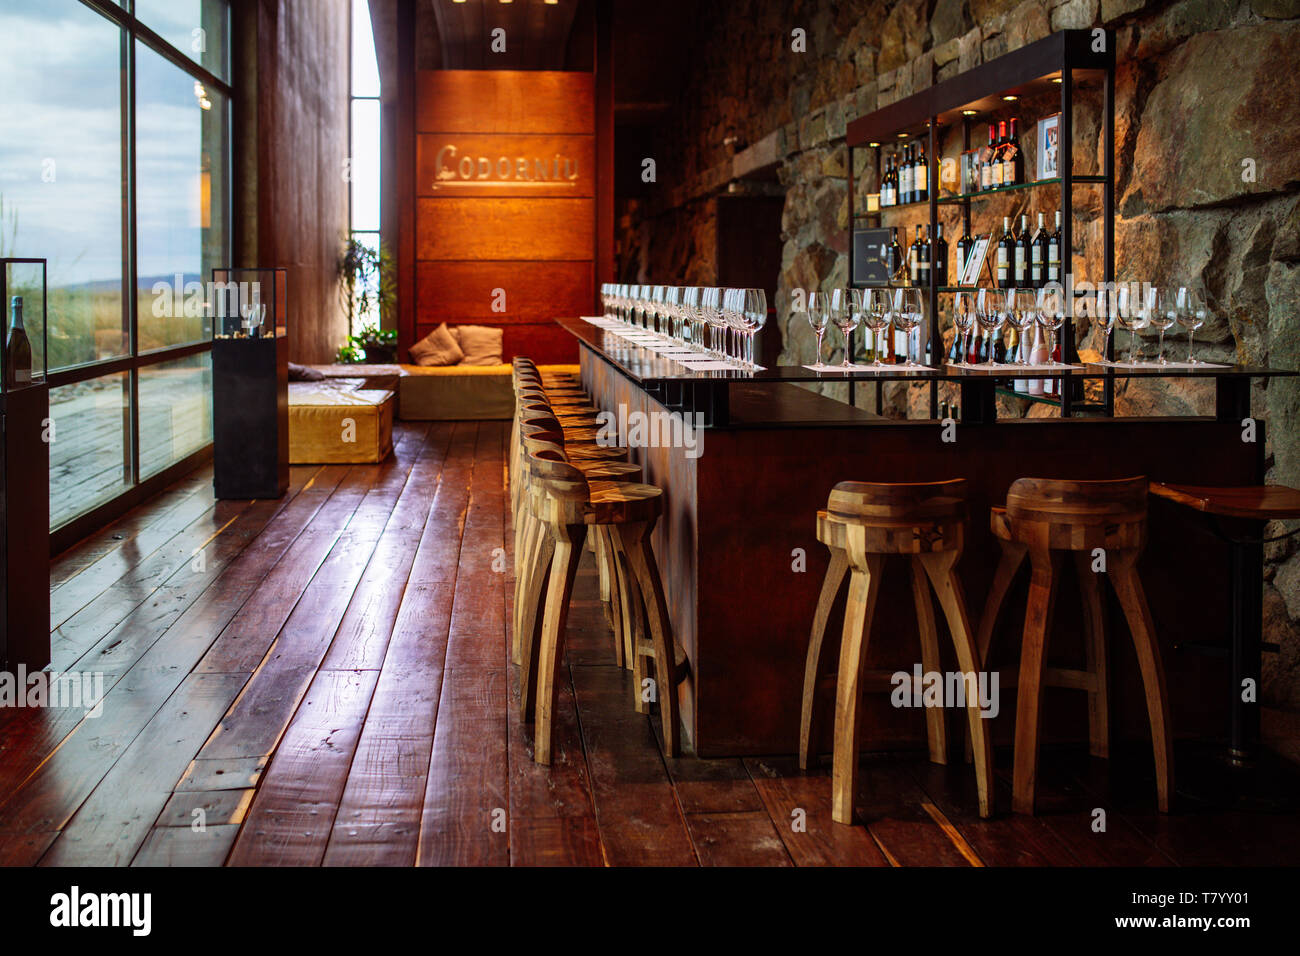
(986, 160)
(18, 361)
(922, 260)
(1019, 355)
(1013, 160)
(905, 177)
(1037, 356)
(1006, 254)
(939, 256)
(1054, 252)
(1021, 269)
(914, 259)
(894, 259)
(1038, 256)
(973, 350)
(921, 177)
(996, 162)
(1000, 349)
(964, 246)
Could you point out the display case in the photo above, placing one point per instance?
(250, 382)
(24, 467)
(1041, 84)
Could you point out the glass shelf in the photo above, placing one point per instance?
(959, 198)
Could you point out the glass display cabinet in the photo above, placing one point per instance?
(250, 382)
(24, 467)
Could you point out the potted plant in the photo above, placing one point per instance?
(365, 277)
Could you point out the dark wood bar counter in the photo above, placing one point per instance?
(743, 567)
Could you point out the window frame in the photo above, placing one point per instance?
(132, 31)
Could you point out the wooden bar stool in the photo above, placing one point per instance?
(1046, 519)
(863, 522)
(567, 504)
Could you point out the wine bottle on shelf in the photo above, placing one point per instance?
(922, 260)
(884, 186)
(964, 246)
(1037, 356)
(986, 160)
(894, 256)
(18, 360)
(1013, 159)
(1054, 252)
(1019, 356)
(995, 174)
(939, 256)
(1038, 256)
(905, 177)
(921, 177)
(1022, 254)
(1052, 386)
(954, 353)
(973, 350)
(1000, 349)
(914, 259)
(1006, 254)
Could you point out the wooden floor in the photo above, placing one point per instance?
(324, 680)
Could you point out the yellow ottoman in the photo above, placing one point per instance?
(335, 422)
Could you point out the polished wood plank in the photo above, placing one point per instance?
(736, 839)
(181, 846)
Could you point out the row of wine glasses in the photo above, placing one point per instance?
(877, 309)
(1136, 307)
(990, 310)
(715, 321)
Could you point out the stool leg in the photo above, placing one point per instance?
(1033, 659)
(936, 733)
(604, 558)
(1013, 555)
(1132, 598)
(531, 621)
(564, 567)
(941, 568)
(641, 649)
(636, 542)
(864, 588)
(524, 569)
(1094, 641)
(812, 666)
(628, 613)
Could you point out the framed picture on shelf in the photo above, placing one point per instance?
(1049, 146)
(971, 268)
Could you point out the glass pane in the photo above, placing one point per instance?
(89, 458)
(181, 199)
(61, 168)
(365, 68)
(198, 28)
(175, 410)
(365, 164)
(370, 285)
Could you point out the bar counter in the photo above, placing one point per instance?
(743, 568)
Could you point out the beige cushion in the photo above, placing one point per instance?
(437, 348)
(480, 343)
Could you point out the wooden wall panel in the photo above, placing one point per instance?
(490, 164)
(504, 101)
(466, 291)
(493, 228)
(512, 205)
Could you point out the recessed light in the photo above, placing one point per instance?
(1010, 98)
(968, 113)
(873, 144)
(902, 135)
(1056, 79)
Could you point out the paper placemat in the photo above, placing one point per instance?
(1157, 365)
(1017, 367)
(875, 369)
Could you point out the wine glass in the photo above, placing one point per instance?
(846, 312)
(818, 310)
(1022, 312)
(1134, 313)
(1105, 308)
(736, 324)
(906, 314)
(1049, 309)
(711, 309)
(989, 316)
(754, 312)
(875, 311)
(1163, 317)
(1192, 316)
(963, 321)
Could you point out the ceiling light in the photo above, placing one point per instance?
(1056, 79)
(902, 135)
(874, 144)
(1010, 99)
(968, 113)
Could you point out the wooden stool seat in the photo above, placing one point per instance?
(616, 502)
(1103, 524)
(862, 524)
(612, 470)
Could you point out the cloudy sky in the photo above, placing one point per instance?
(60, 155)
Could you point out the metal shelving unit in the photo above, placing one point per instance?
(954, 105)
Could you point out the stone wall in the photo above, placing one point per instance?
(1202, 86)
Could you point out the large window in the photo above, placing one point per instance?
(114, 166)
(363, 215)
